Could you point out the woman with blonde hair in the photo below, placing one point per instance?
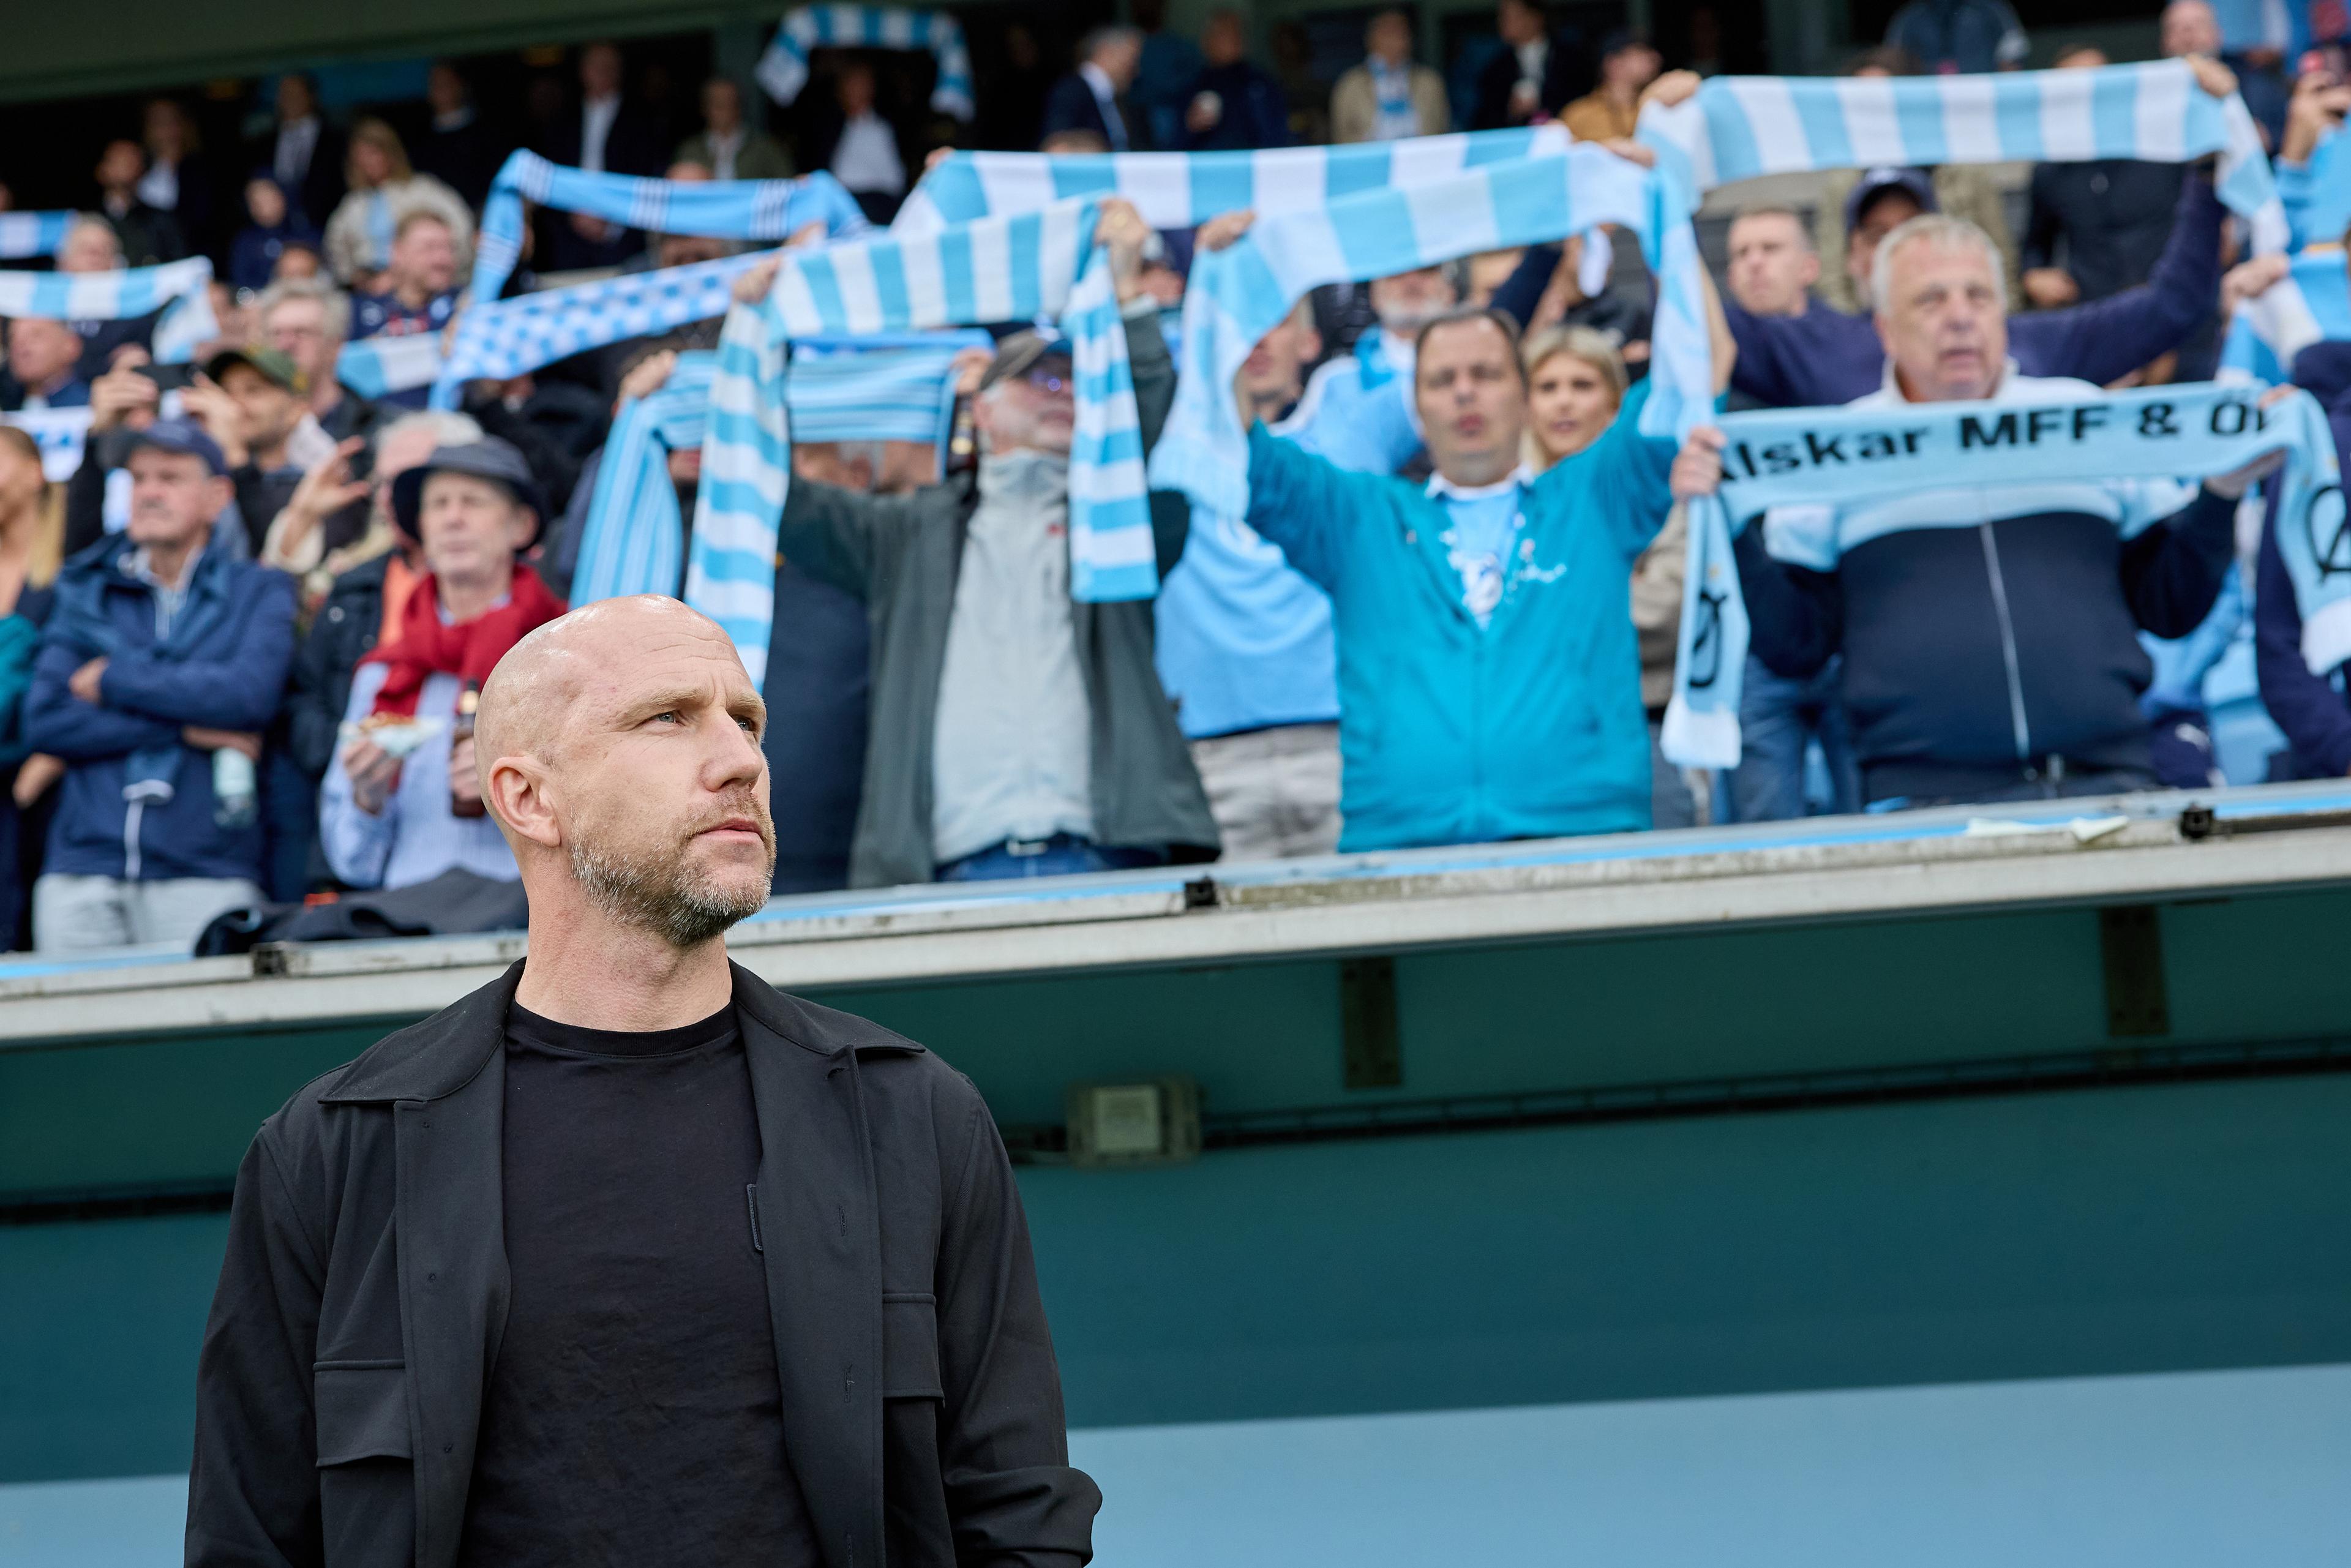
(384, 189)
(1575, 384)
(32, 547)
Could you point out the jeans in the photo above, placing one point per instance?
(1777, 718)
(1275, 792)
(1064, 854)
(1671, 805)
(89, 913)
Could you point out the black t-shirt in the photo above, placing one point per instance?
(634, 1415)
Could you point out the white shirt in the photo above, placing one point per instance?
(724, 150)
(159, 187)
(866, 156)
(1011, 745)
(1106, 99)
(298, 139)
(596, 117)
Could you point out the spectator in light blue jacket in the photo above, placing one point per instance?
(159, 667)
(1489, 681)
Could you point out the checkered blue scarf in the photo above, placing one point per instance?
(1736, 128)
(1177, 190)
(1239, 294)
(783, 69)
(996, 269)
(181, 289)
(507, 337)
(24, 234)
(891, 388)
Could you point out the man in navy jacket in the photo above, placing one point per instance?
(1989, 631)
(160, 666)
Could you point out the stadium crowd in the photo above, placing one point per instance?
(246, 611)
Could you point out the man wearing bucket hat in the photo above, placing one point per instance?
(402, 801)
(160, 666)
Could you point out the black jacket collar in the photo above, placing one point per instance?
(435, 1059)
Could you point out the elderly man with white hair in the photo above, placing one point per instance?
(1989, 631)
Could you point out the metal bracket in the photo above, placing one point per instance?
(1367, 1023)
(2130, 945)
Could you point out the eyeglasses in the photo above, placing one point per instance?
(1048, 381)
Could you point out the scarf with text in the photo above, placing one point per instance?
(468, 649)
(783, 70)
(1822, 466)
(1736, 128)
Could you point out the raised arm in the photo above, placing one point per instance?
(2108, 339)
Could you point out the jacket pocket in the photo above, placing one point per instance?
(909, 1345)
(363, 1411)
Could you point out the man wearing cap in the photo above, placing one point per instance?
(160, 666)
(253, 402)
(1014, 731)
(402, 803)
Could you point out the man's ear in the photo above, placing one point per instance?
(519, 793)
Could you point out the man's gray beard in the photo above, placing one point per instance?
(665, 896)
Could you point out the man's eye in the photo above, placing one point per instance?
(669, 715)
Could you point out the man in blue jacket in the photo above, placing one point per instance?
(1490, 683)
(159, 667)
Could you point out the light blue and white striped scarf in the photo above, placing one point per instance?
(24, 234)
(507, 337)
(181, 289)
(891, 388)
(1239, 294)
(997, 269)
(2312, 303)
(373, 367)
(1819, 462)
(712, 209)
(888, 386)
(1177, 190)
(783, 69)
(635, 541)
(1736, 128)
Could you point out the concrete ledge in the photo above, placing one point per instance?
(1917, 865)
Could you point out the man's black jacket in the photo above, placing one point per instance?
(364, 1293)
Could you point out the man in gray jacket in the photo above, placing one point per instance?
(1015, 731)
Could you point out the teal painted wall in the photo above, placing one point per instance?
(2129, 1230)
(2135, 1230)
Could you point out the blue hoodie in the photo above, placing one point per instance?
(223, 667)
(1452, 733)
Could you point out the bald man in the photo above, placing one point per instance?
(628, 1258)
